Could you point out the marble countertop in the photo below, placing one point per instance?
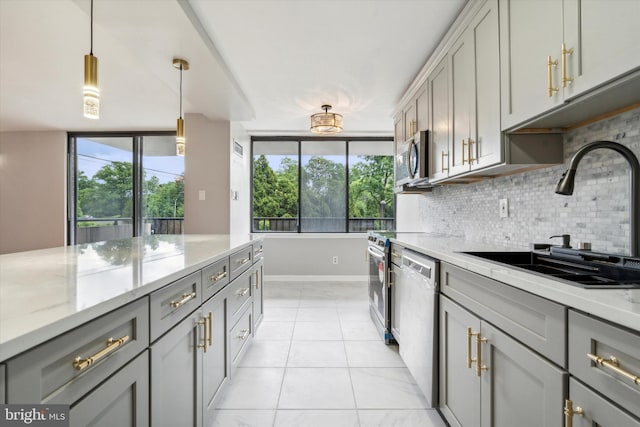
(614, 305)
(47, 292)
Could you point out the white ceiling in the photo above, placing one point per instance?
(268, 64)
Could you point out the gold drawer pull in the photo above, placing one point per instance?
(565, 52)
(184, 300)
(244, 333)
(442, 161)
(242, 292)
(243, 261)
(569, 412)
(258, 252)
(257, 277)
(79, 363)
(218, 276)
(613, 364)
(470, 360)
(550, 89)
(479, 366)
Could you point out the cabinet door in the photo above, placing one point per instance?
(2, 385)
(518, 387)
(409, 119)
(439, 113)
(122, 400)
(530, 32)
(459, 385)
(422, 109)
(214, 360)
(256, 292)
(605, 38)
(176, 369)
(486, 138)
(398, 300)
(462, 102)
(596, 409)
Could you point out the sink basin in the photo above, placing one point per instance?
(579, 268)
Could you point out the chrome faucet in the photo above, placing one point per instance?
(565, 186)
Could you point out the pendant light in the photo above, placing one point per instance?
(91, 92)
(182, 65)
(326, 123)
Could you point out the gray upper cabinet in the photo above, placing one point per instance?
(438, 87)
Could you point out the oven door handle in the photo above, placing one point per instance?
(375, 254)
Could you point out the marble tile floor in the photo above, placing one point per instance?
(317, 361)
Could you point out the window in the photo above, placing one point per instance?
(124, 185)
(322, 184)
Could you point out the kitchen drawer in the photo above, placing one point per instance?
(588, 335)
(257, 251)
(597, 410)
(239, 337)
(214, 278)
(240, 261)
(173, 303)
(122, 400)
(50, 373)
(3, 377)
(239, 293)
(535, 321)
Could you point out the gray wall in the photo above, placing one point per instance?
(598, 212)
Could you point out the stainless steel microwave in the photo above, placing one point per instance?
(412, 161)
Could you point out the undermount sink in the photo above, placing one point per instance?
(580, 268)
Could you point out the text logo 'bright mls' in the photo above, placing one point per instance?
(36, 415)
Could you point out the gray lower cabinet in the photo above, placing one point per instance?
(489, 379)
(214, 360)
(588, 408)
(256, 292)
(3, 395)
(122, 400)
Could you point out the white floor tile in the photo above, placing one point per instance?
(266, 354)
(373, 354)
(317, 354)
(360, 313)
(252, 388)
(243, 418)
(280, 314)
(386, 388)
(400, 418)
(317, 314)
(321, 331)
(316, 418)
(316, 388)
(359, 331)
(281, 331)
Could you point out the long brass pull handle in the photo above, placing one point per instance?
(257, 252)
(243, 261)
(210, 337)
(471, 159)
(203, 344)
(550, 88)
(184, 300)
(443, 156)
(257, 276)
(242, 292)
(613, 364)
(565, 52)
(479, 366)
(464, 144)
(243, 334)
(218, 276)
(569, 412)
(470, 359)
(79, 363)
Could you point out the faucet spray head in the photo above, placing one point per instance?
(565, 185)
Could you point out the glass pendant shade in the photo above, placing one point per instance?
(326, 123)
(91, 92)
(180, 139)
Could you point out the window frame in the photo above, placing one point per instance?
(300, 140)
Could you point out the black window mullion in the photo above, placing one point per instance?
(299, 227)
(346, 191)
(137, 186)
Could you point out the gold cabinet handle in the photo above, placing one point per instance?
(218, 276)
(569, 412)
(210, 319)
(443, 156)
(464, 144)
(242, 292)
(469, 144)
(613, 364)
(244, 334)
(550, 89)
(257, 252)
(565, 52)
(204, 343)
(257, 276)
(470, 360)
(79, 363)
(183, 301)
(243, 261)
(479, 366)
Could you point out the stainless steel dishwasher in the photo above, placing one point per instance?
(418, 316)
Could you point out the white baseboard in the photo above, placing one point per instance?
(320, 278)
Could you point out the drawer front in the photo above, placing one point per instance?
(3, 376)
(535, 321)
(214, 278)
(239, 337)
(239, 292)
(588, 335)
(597, 410)
(257, 251)
(67, 367)
(240, 261)
(173, 303)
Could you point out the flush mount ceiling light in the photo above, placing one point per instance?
(326, 123)
(182, 65)
(91, 92)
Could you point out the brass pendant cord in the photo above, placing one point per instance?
(180, 90)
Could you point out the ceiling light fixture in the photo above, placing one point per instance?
(326, 123)
(182, 65)
(91, 92)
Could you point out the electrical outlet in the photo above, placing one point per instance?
(504, 208)
(335, 259)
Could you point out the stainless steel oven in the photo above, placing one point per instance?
(379, 292)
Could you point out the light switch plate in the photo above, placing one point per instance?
(201, 195)
(504, 208)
